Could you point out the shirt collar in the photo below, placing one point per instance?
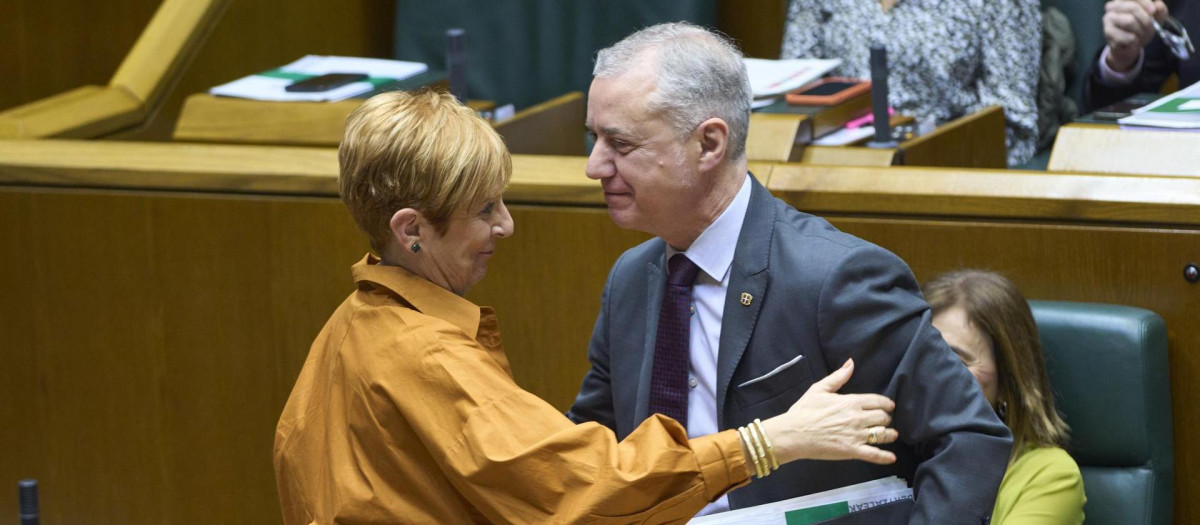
(422, 295)
(713, 250)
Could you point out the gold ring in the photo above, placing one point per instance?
(873, 435)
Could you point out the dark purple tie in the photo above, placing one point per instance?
(669, 380)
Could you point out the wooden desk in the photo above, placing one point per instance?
(159, 299)
(1106, 148)
(973, 141)
(553, 127)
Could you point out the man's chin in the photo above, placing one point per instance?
(623, 218)
(626, 219)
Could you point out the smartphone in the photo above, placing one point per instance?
(828, 91)
(1123, 108)
(325, 82)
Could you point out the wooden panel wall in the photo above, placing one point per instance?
(55, 46)
(757, 26)
(149, 343)
(51, 47)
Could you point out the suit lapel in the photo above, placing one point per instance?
(748, 275)
(655, 279)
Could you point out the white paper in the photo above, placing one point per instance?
(504, 113)
(259, 87)
(845, 136)
(861, 496)
(759, 103)
(1153, 124)
(1143, 117)
(775, 77)
(270, 88)
(374, 67)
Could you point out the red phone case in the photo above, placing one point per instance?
(797, 98)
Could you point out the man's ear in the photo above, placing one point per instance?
(713, 135)
(406, 227)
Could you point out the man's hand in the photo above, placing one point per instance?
(827, 425)
(1128, 27)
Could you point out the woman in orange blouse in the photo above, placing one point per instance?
(406, 411)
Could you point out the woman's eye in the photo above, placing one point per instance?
(488, 208)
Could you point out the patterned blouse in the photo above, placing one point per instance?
(948, 58)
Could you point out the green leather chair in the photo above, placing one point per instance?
(1108, 367)
(1087, 24)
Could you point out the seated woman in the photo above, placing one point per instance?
(987, 322)
(405, 410)
(947, 58)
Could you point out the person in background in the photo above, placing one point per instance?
(405, 410)
(947, 58)
(1135, 59)
(987, 322)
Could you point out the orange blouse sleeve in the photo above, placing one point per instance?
(516, 458)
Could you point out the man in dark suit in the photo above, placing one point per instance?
(779, 300)
(1135, 60)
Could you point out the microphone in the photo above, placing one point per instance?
(28, 490)
(456, 62)
(879, 98)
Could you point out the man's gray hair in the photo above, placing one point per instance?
(700, 76)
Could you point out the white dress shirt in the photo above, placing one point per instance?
(713, 253)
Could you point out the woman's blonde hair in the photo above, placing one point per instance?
(419, 150)
(998, 310)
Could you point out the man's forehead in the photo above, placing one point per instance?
(640, 78)
(617, 103)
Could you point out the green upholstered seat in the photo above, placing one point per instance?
(1108, 367)
(1087, 24)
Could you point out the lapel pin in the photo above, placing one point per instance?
(747, 299)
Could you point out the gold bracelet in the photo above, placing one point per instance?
(750, 451)
(760, 463)
(767, 441)
(759, 447)
(758, 466)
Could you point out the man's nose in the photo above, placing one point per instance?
(599, 164)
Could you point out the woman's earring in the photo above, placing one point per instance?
(416, 247)
(1002, 410)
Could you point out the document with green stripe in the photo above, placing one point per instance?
(272, 84)
(815, 508)
(1179, 111)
